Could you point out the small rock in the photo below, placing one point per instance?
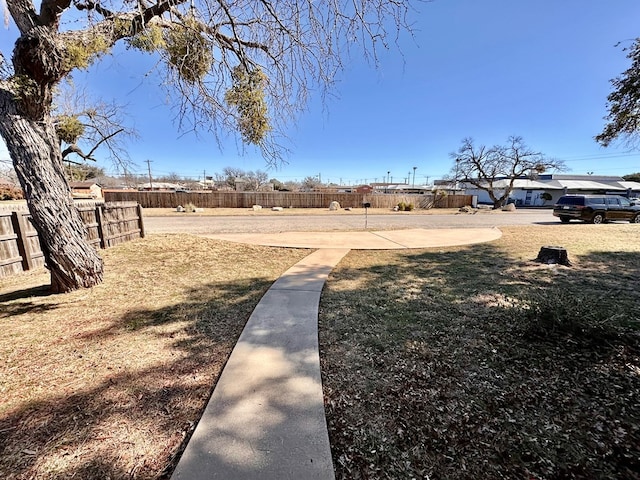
(277, 209)
(179, 208)
(334, 206)
(510, 207)
(257, 208)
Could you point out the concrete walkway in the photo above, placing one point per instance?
(265, 419)
(367, 240)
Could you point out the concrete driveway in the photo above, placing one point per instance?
(369, 240)
(276, 222)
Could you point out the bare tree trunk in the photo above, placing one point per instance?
(71, 259)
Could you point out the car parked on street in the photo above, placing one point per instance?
(596, 208)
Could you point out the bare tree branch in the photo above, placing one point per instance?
(73, 148)
(51, 10)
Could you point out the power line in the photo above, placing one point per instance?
(588, 158)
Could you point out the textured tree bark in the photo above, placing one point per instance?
(71, 259)
(27, 129)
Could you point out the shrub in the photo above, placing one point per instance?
(189, 208)
(409, 207)
(546, 196)
(7, 192)
(439, 197)
(402, 206)
(69, 128)
(188, 49)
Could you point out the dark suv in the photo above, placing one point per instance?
(596, 208)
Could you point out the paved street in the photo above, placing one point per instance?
(274, 222)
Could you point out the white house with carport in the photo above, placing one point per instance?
(530, 192)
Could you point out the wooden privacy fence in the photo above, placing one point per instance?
(108, 224)
(19, 243)
(282, 199)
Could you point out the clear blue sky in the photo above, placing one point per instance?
(484, 69)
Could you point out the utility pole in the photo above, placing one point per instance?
(125, 176)
(149, 167)
(414, 177)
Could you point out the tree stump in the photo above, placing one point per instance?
(550, 255)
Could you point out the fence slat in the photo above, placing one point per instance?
(106, 225)
(140, 222)
(10, 261)
(100, 225)
(24, 246)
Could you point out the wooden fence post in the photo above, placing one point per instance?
(24, 248)
(140, 221)
(100, 222)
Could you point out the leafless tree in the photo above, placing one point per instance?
(256, 180)
(483, 166)
(310, 182)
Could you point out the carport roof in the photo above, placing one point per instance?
(561, 184)
(587, 185)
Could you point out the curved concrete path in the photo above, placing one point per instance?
(265, 419)
(367, 240)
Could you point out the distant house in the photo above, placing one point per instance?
(365, 189)
(240, 184)
(86, 189)
(532, 192)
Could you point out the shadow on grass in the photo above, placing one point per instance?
(434, 372)
(9, 310)
(81, 434)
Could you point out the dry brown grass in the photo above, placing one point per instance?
(108, 382)
(434, 362)
(475, 362)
